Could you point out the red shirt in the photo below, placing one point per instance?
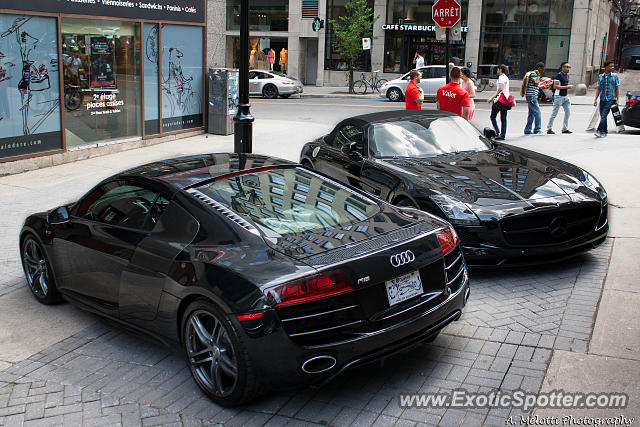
(410, 95)
(452, 98)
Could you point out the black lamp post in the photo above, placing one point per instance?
(243, 121)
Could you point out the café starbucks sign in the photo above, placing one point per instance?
(412, 27)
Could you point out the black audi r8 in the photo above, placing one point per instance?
(510, 206)
(268, 274)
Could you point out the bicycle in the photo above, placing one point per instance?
(481, 84)
(374, 82)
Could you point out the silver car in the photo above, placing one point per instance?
(433, 76)
(271, 85)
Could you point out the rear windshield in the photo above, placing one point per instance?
(290, 201)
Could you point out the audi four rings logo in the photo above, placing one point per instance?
(402, 258)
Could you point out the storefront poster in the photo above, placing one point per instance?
(29, 85)
(151, 73)
(168, 10)
(102, 62)
(182, 77)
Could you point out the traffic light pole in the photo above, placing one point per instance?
(243, 121)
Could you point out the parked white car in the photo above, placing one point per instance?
(433, 76)
(271, 84)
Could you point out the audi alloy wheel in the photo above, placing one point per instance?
(218, 361)
(38, 271)
(394, 94)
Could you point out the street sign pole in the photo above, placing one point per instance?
(446, 56)
(243, 121)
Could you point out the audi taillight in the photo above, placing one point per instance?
(448, 240)
(288, 83)
(309, 288)
(632, 102)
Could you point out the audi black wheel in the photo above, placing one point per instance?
(216, 356)
(38, 271)
(270, 91)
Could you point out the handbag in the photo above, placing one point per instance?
(505, 103)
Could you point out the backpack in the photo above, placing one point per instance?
(525, 83)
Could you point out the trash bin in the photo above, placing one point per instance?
(223, 100)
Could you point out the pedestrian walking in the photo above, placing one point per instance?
(467, 84)
(608, 91)
(503, 89)
(414, 95)
(453, 98)
(529, 90)
(561, 98)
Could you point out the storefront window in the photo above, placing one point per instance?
(264, 15)
(259, 48)
(101, 80)
(29, 85)
(533, 31)
(395, 11)
(392, 53)
(182, 77)
(334, 61)
(151, 79)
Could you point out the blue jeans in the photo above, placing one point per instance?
(503, 120)
(534, 115)
(565, 103)
(605, 107)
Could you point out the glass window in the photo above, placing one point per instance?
(426, 138)
(151, 79)
(309, 215)
(264, 15)
(29, 85)
(559, 16)
(122, 204)
(101, 80)
(348, 134)
(334, 61)
(182, 77)
(392, 52)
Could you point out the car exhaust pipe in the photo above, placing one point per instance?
(466, 295)
(318, 364)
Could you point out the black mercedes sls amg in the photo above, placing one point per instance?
(510, 206)
(269, 275)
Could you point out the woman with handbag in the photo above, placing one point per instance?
(501, 103)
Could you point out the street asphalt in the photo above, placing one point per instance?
(573, 325)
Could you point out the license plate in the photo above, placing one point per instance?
(403, 288)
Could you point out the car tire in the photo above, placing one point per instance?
(216, 355)
(38, 271)
(394, 94)
(270, 91)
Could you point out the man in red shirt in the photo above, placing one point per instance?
(413, 95)
(452, 97)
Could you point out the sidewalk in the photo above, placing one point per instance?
(629, 80)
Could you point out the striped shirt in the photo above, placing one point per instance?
(532, 87)
(607, 83)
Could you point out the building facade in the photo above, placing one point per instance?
(518, 33)
(79, 74)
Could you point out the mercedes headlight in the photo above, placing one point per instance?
(457, 213)
(591, 183)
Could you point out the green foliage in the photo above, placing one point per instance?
(350, 29)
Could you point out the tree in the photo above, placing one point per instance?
(350, 29)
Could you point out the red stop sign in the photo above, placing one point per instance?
(446, 13)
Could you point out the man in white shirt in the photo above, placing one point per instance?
(418, 60)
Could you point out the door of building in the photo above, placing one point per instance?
(312, 62)
(431, 50)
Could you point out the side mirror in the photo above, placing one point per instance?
(58, 215)
(489, 133)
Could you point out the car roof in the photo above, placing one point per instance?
(187, 171)
(397, 115)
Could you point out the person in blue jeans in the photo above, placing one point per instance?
(531, 94)
(561, 98)
(607, 90)
(503, 88)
